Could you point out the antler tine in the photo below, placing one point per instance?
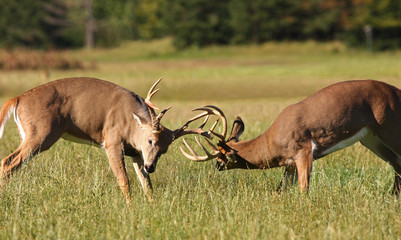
(219, 136)
(161, 114)
(204, 122)
(151, 93)
(214, 125)
(204, 149)
(189, 148)
(214, 133)
(213, 110)
(156, 120)
(211, 145)
(197, 117)
(207, 111)
(222, 117)
(183, 130)
(195, 157)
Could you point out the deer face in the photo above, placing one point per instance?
(155, 139)
(156, 146)
(152, 143)
(229, 157)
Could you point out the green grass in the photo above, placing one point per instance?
(69, 192)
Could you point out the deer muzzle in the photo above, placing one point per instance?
(150, 168)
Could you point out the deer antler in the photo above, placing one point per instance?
(151, 93)
(155, 119)
(213, 110)
(195, 157)
(207, 111)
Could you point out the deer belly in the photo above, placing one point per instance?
(341, 144)
(76, 139)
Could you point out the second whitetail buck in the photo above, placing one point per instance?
(333, 118)
(96, 112)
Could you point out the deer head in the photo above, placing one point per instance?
(155, 138)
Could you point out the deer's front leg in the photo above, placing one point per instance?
(303, 160)
(143, 177)
(116, 159)
(290, 177)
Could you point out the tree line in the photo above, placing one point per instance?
(65, 23)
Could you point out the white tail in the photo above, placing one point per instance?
(5, 113)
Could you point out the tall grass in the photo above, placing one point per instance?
(69, 192)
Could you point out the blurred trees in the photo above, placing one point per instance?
(383, 17)
(199, 22)
(61, 23)
(38, 23)
(260, 21)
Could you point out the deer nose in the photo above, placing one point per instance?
(149, 168)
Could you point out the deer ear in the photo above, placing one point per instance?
(238, 129)
(137, 119)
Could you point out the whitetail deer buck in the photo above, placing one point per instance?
(329, 120)
(96, 112)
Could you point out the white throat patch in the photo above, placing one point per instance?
(143, 155)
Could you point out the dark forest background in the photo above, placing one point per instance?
(58, 24)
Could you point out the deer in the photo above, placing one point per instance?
(95, 112)
(331, 119)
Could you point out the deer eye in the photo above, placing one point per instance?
(150, 141)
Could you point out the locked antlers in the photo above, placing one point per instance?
(207, 111)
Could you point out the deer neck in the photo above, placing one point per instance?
(257, 153)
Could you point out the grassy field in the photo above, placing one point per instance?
(69, 192)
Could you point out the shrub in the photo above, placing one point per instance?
(23, 59)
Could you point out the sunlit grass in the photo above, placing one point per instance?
(69, 192)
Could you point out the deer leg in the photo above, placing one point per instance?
(397, 184)
(5, 169)
(12, 163)
(39, 137)
(290, 177)
(303, 160)
(396, 164)
(143, 176)
(374, 144)
(116, 160)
